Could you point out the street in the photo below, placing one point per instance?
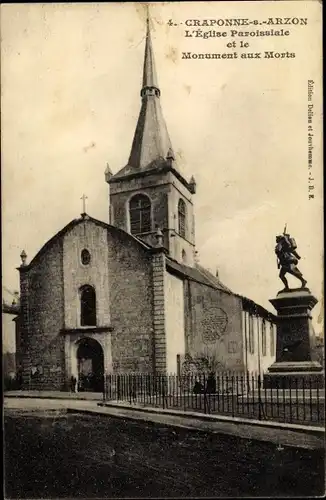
(54, 454)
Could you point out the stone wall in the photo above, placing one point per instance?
(42, 345)
(121, 271)
(213, 326)
(181, 249)
(164, 191)
(155, 187)
(93, 237)
(131, 303)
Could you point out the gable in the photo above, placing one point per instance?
(85, 220)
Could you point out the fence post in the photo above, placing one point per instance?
(259, 398)
(310, 400)
(163, 391)
(318, 410)
(232, 393)
(118, 387)
(248, 381)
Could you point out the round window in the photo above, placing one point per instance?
(85, 257)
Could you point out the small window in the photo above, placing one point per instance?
(182, 218)
(184, 257)
(140, 214)
(85, 257)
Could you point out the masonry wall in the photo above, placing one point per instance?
(213, 326)
(178, 244)
(174, 321)
(93, 237)
(131, 303)
(42, 345)
(155, 187)
(164, 191)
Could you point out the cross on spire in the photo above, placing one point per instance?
(84, 198)
(147, 13)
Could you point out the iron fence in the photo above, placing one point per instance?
(221, 393)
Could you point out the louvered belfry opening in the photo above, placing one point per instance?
(182, 218)
(140, 214)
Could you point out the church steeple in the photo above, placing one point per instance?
(150, 197)
(151, 143)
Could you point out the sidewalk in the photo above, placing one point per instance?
(285, 434)
(88, 396)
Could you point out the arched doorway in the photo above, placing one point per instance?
(90, 364)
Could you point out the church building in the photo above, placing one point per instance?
(129, 295)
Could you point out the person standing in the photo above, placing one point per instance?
(73, 383)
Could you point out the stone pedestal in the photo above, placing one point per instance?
(296, 364)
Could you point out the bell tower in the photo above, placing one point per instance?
(150, 193)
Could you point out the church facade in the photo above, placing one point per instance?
(130, 296)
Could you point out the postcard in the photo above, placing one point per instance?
(162, 240)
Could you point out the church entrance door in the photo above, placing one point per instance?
(90, 362)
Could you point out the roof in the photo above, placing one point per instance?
(84, 217)
(254, 308)
(151, 140)
(201, 275)
(198, 274)
(213, 279)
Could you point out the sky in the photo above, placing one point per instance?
(71, 77)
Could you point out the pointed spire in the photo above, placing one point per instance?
(149, 71)
(151, 142)
(159, 237)
(151, 146)
(192, 185)
(108, 173)
(170, 155)
(23, 257)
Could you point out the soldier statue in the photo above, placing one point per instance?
(287, 259)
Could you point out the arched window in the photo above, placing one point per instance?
(87, 306)
(182, 218)
(140, 214)
(184, 256)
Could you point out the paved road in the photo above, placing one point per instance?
(224, 425)
(51, 454)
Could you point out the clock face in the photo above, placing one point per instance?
(214, 323)
(85, 257)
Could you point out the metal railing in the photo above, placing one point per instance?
(236, 395)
